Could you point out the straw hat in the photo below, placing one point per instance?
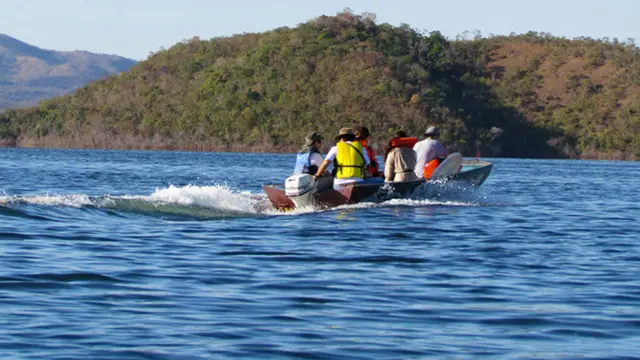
(344, 131)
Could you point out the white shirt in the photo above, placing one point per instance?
(315, 159)
(427, 150)
(332, 156)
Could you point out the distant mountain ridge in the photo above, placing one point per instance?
(29, 74)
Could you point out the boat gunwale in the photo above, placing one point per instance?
(477, 165)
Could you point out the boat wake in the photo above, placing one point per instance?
(201, 202)
(218, 202)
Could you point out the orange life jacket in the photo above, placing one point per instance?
(408, 142)
(430, 167)
(373, 169)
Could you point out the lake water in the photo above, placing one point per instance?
(176, 255)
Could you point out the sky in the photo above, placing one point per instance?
(136, 28)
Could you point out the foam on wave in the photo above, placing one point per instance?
(72, 200)
(222, 200)
(217, 197)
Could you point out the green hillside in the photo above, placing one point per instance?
(527, 95)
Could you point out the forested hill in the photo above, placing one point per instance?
(29, 74)
(529, 95)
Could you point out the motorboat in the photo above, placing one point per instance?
(303, 190)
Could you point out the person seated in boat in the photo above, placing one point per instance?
(400, 159)
(309, 158)
(427, 150)
(363, 136)
(349, 159)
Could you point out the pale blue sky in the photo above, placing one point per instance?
(134, 28)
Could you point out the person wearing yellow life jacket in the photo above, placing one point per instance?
(362, 136)
(428, 152)
(400, 159)
(349, 157)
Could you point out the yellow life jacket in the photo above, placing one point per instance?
(349, 160)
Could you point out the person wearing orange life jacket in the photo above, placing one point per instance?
(350, 159)
(428, 150)
(400, 159)
(362, 136)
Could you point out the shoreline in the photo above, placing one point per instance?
(271, 150)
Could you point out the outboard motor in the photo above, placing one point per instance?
(298, 184)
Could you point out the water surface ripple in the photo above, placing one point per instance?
(175, 255)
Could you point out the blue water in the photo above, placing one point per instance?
(174, 255)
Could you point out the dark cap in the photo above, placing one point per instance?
(432, 131)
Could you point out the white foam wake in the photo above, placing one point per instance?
(407, 202)
(216, 197)
(73, 200)
(220, 198)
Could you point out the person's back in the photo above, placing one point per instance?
(428, 149)
(309, 158)
(350, 159)
(400, 165)
(400, 159)
(362, 136)
(349, 162)
(307, 162)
